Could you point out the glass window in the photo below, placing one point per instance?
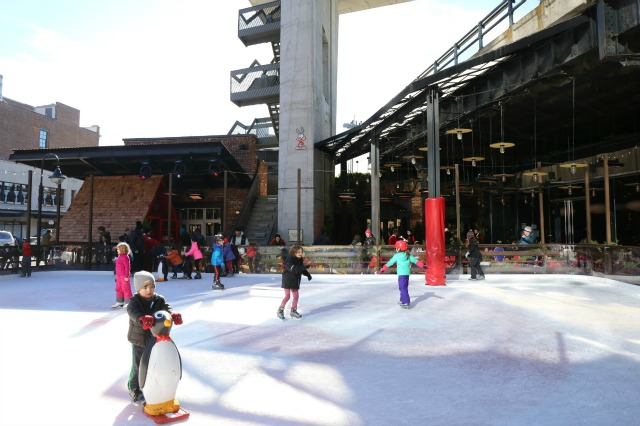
(43, 139)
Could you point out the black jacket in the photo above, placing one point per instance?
(293, 271)
(474, 250)
(138, 306)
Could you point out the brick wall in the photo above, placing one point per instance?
(119, 201)
(20, 128)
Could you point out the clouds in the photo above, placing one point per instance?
(162, 68)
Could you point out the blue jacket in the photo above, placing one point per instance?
(216, 256)
(227, 253)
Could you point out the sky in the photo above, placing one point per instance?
(154, 68)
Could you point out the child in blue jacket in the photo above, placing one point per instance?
(217, 261)
(403, 259)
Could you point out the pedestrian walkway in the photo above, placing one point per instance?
(509, 350)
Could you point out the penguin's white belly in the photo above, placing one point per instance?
(163, 373)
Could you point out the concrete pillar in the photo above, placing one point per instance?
(308, 82)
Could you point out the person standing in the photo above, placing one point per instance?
(140, 309)
(528, 237)
(475, 257)
(228, 257)
(369, 239)
(217, 261)
(293, 271)
(277, 241)
(238, 242)
(403, 259)
(136, 241)
(25, 248)
(197, 255)
(393, 238)
(46, 244)
(123, 276)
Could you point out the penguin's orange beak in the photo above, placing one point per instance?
(167, 323)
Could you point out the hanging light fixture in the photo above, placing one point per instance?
(473, 159)
(535, 174)
(458, 131)
(502, 145)
(573, 165)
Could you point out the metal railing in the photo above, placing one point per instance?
(619, 262)
(475, 37)
(256, 84)
(258, 16)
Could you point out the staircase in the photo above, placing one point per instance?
(263, 220)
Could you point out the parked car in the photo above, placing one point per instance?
(6, 239)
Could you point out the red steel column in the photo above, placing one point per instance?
(434, 241)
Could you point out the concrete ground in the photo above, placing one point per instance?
(510, 350)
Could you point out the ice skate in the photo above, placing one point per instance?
(294, 314)
(117, 305)
(280, 313)
(217, 285)
(404, 305)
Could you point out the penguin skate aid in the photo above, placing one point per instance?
(156, 366)
(294, 269)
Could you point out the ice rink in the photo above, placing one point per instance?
(510, 350)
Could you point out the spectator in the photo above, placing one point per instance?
(498, 249)
(393, 238)
(228, 256)
(528, 237)
(475, 258)
(251, 257)
(369, 239)
(238, 243)
(136, 241)
(411, 239)
(322, 239)
(277, 241)
(46, 244)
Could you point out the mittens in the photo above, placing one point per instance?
(384, 268)
(307, 274)
(147, 322)
(177, 318)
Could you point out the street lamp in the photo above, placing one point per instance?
(57, 178)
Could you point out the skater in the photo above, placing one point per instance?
(475, 257)
(228, 257)
(293, 271)
(25, 249)
(404, 260)
(123, 275)
(217, 262)
(141, 308)
(174, 258)
(197, 256)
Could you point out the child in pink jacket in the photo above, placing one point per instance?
(123, 276)
(197, 256)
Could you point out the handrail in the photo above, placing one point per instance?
(477, 34)
(249, 201)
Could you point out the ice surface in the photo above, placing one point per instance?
(510, 350)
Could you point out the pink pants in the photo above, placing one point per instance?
(123, 288)
(287, 296)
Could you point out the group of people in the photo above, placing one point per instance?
(474, 254)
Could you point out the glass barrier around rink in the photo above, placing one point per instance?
(620, 262)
